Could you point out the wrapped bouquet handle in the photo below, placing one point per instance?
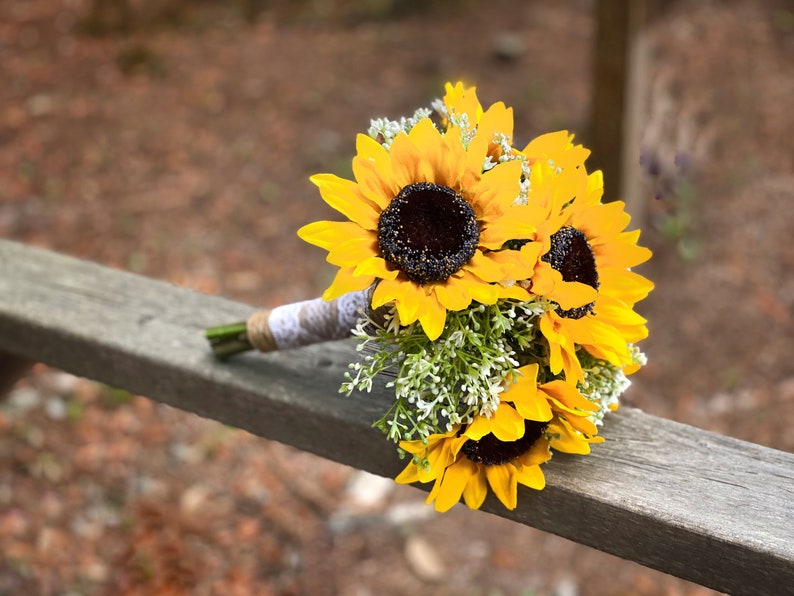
(291, 325)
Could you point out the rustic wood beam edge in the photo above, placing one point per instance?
(707, 508)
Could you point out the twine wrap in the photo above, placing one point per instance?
(307, 322)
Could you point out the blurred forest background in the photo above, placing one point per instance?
(175, 139)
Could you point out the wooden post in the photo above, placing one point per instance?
(619, 99)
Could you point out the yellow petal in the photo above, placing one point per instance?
(628, 286)
(614, 253)
(407, 296)
(508, 227)
(373, 171)
(537, 454)
(531, 476)
(345, 196)
(439, 456)
(405, 160)
(513, 292)
(544, 278)
(528, 373)
(572, 294)
(519, 264)
(463, 100)
(327, 234)
(477, 486)
(385, 292)
(507, 424)
(451, 295)
(416, 447)
(546, 144)
(562, 349)
(455, 158)
(590, 330)
(345, 282)
(485, 268)
(409, 475)
(601, 219)
(558, 148)
(497, 189)
(503, 483)
(374, 184)
(451, 486)
(353, 251)
(432, 317)
(375, 266)
(478, 428)
(525, 397)
(581, 424)
(617, 312)
(563, 437)
(567, 394)
(442, 162)
(532, 406)
(497, 119)
(566, 187)
(409, 302)
(481, 292)
(595, 187)
(476, 151)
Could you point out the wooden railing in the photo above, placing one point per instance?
(707, 508)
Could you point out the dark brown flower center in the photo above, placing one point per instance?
(490, 451)
(428, 231)
(572, 256)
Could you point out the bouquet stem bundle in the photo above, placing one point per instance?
(290, 325)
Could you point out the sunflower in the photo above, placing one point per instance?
(579, 258)
(424, 223)
(506, 449)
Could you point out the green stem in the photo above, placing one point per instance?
(228, 340)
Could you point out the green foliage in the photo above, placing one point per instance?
(442, 383)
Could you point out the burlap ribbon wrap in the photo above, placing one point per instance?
(307, 322)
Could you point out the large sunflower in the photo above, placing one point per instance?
(423, 221)
(580, 259)
(506, 449)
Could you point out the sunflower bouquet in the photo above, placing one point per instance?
(489, 285)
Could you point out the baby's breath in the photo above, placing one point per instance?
(385, 130)
(604, 382)
(468, 130)
(444, 383)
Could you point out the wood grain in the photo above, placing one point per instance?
(707, 508)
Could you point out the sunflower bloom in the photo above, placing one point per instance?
(424, 222)
(579, 258)
(506, 449)
(501, 452)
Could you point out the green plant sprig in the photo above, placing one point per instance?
(443, 383)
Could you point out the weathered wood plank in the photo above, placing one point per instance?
(707, 508)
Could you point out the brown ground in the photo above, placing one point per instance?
(181, 149)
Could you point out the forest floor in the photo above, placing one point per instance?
(181, 148)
